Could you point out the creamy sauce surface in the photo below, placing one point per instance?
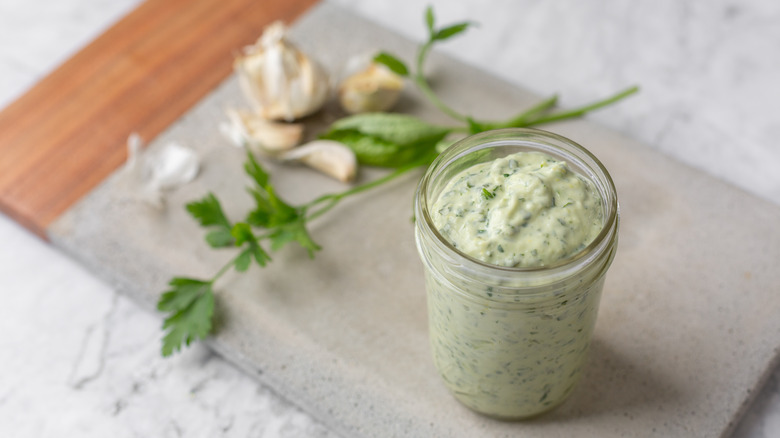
(526, 209)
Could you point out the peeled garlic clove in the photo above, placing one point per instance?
(374, 89)
(330, 157)
(280, 81)
(260, 135)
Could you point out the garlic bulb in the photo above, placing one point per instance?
(261, 136)
(330, 157)
(376, 88)
(280, 81)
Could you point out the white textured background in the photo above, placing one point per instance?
(77, 359)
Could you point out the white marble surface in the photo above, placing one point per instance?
(708, 69)
(78, 359)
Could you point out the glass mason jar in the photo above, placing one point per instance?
(509, 342)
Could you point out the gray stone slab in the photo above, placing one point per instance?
(688, 327)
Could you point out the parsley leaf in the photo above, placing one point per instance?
(253, 169)
(294, 232)
(243, 260)
(261, 215)
(242, 232)
(261, 257)
(270, 210)
(208, 212)
(219, 238)
(281, 212)
(190, 307)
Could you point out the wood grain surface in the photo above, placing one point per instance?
(68, 132)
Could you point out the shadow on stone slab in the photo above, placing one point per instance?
(614, 383)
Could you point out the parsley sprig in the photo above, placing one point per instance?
(272, 223)
(398, 141)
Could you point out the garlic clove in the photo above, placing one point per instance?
(280, 81)
(172, 166)
(330, 157)
(373, 89)
(261, 136)
(150, 173)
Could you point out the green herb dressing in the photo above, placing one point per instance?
(524, 210)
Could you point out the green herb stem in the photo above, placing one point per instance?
(530, 114)
(578, 112)
(224, 268)
(422, 84)
(333, 198)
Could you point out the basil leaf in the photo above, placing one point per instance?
(371, 151)
(396, 65)
(400, 129)
(430, 21)
(443, 144)
(476, 127)
(450, 31)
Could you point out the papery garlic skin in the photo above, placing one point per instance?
(259, 135)
(172, 166)
(373, 89)
(150, 173)
(330, 157)
(280, 81)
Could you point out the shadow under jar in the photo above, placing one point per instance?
(511, 341)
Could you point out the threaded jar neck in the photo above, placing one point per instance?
(514, 284)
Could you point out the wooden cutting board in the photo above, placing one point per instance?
(68, 133)
(687, 331)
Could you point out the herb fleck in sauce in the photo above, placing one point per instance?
(523, 210)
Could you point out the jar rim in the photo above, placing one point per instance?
(598, 175)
